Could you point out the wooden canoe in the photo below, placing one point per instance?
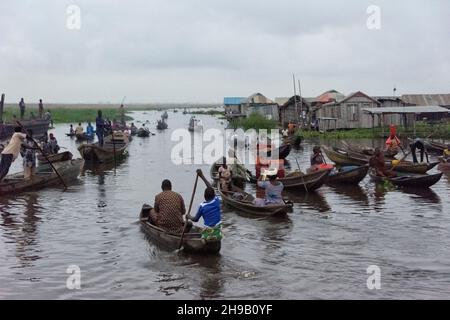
(348, 175)
(143, 133)
(62, 156)
(409, 180)
(246, 205)
(93, 152)
(43, 177)
(344, 158)
(305, 182)
(283, 151)
(444, 166)
(238, 172)
(84, 137)
(192, 241)
(368, 151)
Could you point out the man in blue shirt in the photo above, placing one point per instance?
(100, 128)
(209, 209)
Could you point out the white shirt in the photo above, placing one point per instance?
(14, 144)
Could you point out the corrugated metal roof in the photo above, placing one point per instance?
(402, 110)
(427, 99)
(233, 100)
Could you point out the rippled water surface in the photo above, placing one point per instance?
(322, 250)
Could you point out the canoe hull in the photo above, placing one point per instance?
(62, 156)
(350, 177)
(95, 153)
(249, 208)
(307, 182)
(419, 181)
(192, 241)
(44, 177)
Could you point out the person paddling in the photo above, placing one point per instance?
(28, 153)
(273, 187)
(211, 213)
(100, 127)
(11, 151)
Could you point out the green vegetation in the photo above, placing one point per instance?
(253, 121)
(67, 115)
(424, 130)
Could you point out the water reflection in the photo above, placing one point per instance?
(23, 227)
(309, 200)
(423, 195)
(355, 193)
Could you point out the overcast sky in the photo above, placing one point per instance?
(201, 51)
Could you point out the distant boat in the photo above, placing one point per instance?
(39, 127)
(162, 125)
(165, 115)
(195, 124)
(143, 132)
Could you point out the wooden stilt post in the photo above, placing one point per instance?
(2, 101)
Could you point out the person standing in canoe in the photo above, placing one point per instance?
(11, 151)
(41, 109)
(168, 210)
(100, 128)
(79, 130)
(28, 153)
(393, 142)
(378, 162)
(54, 147)
(211, 213)
(71, 131)
(418, 144)
(122, 116)
(273, 188)
(224, 175)
(22, 108)
(90, 130)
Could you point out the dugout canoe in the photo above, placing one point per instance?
(239, 172)
(444, 166)
(349, 175)
(368, 151)
(62, 156)
(344, 158)
(44, 177)
(409, 180)
(305, 182)
(84, 137)
(95, 153)
(192, 241)
(143, 133)
(246, 205)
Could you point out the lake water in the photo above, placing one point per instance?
(321, 250)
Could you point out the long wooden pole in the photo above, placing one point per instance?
(189, 212)
(295, 100)
(45, 156)
(301, 102)
(2, 101)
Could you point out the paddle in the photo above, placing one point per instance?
(399, 161)
(188, 213)
(303, 178)
(45, 156)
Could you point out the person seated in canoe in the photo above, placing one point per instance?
(133, 128)
(418, 144)
(446, 155)
(224, 175)
(11, 151)
(90, 130)
(28, 153)
(211, 213)
(79, 130)
(54, 147)
(378, 162)
(316, 160)
(393, 142)
(168, 209)
(273, 188)
(71, 131)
